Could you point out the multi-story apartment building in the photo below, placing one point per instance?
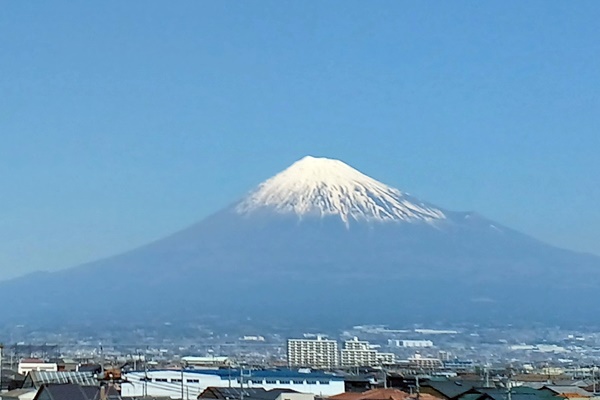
(418, 361)
(358, 353)
(411, 343)
(318, 353)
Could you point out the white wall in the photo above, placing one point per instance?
(194, 383)
(296, 396)
(24, 368)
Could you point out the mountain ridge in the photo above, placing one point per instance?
(262, 263)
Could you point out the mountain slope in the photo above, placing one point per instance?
(322, 243)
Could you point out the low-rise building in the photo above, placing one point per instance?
(172, 383)
(27, 365)
(413, 343)
(418, 361)
(205, 362)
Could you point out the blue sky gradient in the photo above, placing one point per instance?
(122, 122)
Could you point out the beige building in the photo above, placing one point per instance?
(318, 353)
(27, 365)
(418, 361)
(359, 353)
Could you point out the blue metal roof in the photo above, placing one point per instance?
(266, 374)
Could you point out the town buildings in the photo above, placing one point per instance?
(323, 353)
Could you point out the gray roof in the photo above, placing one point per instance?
(569, 389)
(517, 393)
(72, 392)
(571, 382)
(230, 393)
(38, 378)
(66, 392)
(452, 388)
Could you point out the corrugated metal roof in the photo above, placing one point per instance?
(39, 378)
(273, 374)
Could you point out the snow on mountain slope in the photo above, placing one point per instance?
(327, 187)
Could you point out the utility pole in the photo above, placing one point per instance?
(181, 381)
(417, 385)
(146, 375)
(1, 348)
(241, 383)
(101, 360)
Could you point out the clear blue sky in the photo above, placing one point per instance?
(124, 121)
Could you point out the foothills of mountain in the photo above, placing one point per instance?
(321, 244)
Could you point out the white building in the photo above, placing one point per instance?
(252, 338)
(359, 353)
(171, 383)
(418, 361)
(205, 362)
(413, 343)
(27, 365)
(314, 353)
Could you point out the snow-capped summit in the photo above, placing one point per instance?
(328, 187)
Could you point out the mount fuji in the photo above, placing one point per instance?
(321, 243)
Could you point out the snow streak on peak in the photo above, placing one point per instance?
(326, 187)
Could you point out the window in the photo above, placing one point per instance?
(175, 380)
(324, 382)
(272, 382)
(160, 380)
(311, 382)
(299, 382)
(193, 381)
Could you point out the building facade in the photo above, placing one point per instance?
(317, 353)
(190, 383)
(359, 353)
(413, 343)
(27, 365)
(418, 361)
